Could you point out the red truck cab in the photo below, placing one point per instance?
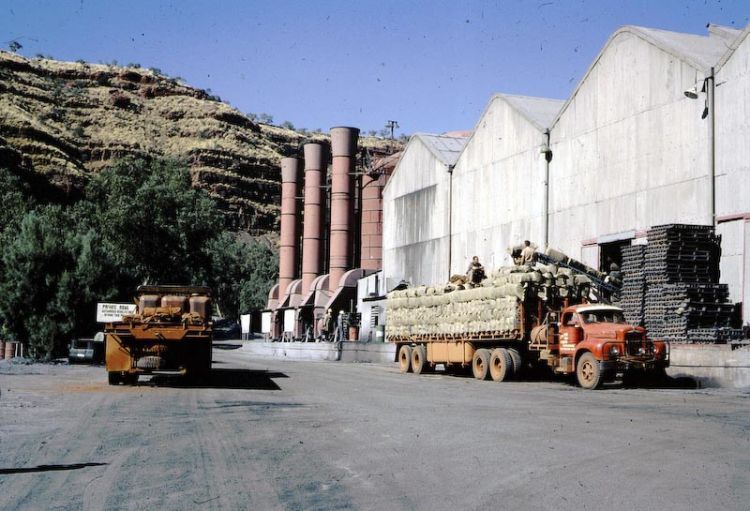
(601, 344)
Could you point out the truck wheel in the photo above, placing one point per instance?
(404, 358)
(501, 365)
(588, 372)
(114, 378)
(480, 364)
(419, 360)
(515, 356)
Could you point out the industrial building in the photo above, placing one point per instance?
(656, 132)
(330, 238)
(416, 201)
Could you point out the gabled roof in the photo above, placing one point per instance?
(741, 36)
(701, 52)
(729, 34)
(444, 148)
(538, 111)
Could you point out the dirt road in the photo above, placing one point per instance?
(271, 434)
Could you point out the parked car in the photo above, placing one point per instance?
(225, 328)
(87, 350)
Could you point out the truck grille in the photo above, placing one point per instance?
(634, 343)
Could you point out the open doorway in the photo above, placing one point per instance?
(611, 253)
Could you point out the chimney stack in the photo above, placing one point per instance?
(372, 223)
(316, 164)
(288, 249)
(344, 150)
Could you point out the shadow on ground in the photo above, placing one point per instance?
(244, 379)
(637, 381)
(661, 382)
(48, 468)
(227, 345)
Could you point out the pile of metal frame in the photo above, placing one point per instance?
(681, 298)
(633, 292)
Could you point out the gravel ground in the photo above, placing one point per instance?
(273, 434)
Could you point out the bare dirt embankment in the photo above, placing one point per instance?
(62, 121)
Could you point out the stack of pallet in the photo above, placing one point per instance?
(682, 253)
(633, 292)
(683, 300)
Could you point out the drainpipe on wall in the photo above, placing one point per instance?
(710, 89)
(450, 218)
(547, 159)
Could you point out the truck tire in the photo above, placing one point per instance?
(501, 365)
(404, 358)
(114, 378)
(480, 364)
(419, 363)
(515, 356)
(588, 373)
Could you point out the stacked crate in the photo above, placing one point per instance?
(633, 292)
(684, 301)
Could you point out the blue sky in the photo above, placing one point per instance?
(430, 65)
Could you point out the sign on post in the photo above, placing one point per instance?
(113, 312)
(245, 325)
(289, 320)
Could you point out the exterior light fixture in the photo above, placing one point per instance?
(692, 92)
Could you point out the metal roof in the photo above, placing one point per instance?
(443, 147)
(446, 149)
(743, 34)
(728, 33)
(699, 51)
(539, 111)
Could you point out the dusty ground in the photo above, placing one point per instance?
(272, 434)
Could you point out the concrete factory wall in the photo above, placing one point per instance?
(415, 218)
(498, 187)
(733, 168)
(630, 150)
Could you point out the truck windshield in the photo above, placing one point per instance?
(603, 316)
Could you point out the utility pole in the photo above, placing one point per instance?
(391, 125)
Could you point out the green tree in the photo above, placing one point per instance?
(261, 272)
(154, 224)
(242, 273)
(16, 200)
(139, 222)
(44, 288)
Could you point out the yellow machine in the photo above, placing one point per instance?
(170, 331)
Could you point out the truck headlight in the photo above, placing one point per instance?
(614, 351)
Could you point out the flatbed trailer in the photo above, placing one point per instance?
(591, 341)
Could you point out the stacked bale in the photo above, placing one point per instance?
(491, 308)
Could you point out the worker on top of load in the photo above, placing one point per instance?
(475, 272)
(614, 270)
(528, 254)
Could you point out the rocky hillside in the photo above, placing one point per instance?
(62, 121)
